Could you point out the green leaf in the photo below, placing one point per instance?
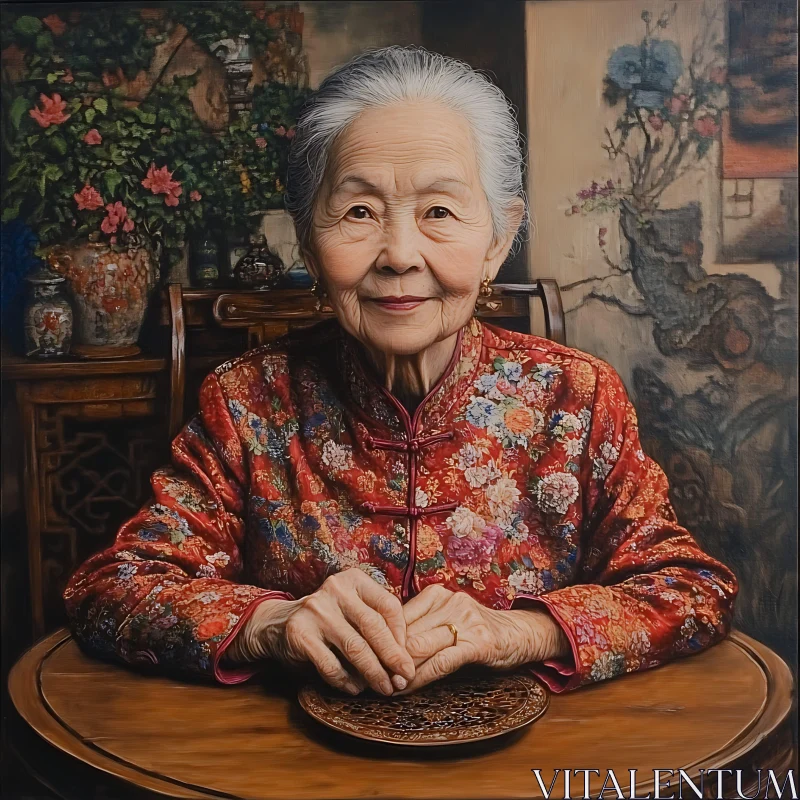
(52, 77)
(31, 140)
(44, 41)
(52, 172)
(19, 167)
(18, 108)
(59, 144)
(146, 117)
(101, 104)
(89, 114)
(28, 26)
(112, 179)
(11, 212)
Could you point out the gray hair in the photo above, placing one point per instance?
(387, 75)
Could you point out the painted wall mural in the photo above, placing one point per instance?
(674, 111)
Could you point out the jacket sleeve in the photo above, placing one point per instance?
(166, 594)
(647, 592)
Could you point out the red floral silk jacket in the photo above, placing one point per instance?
(520, 475)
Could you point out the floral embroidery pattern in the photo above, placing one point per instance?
(297, 459)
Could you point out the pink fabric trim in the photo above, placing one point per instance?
(559, 675)
(231, 675)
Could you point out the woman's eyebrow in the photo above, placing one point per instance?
(360, 183)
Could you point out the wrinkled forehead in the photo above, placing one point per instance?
(407, 147)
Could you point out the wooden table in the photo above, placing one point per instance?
(728, 707)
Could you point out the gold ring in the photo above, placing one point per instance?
(454, 631)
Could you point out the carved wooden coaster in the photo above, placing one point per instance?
(452, 711)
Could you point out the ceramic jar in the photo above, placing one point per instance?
(47, 315)
(259, 267)
(109, 287)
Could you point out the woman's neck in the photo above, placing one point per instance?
(411, 377)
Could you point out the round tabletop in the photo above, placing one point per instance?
(728, 707)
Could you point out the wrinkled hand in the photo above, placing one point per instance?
(349, 616)
(499, 639)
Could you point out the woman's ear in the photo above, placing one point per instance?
(500, 247)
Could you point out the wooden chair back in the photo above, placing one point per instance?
(267, 315)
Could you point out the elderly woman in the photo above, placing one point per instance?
(406, 490)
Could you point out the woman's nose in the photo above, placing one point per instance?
(401, 248)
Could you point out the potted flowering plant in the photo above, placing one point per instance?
(669, 118)
(110, 184)
(106, 181)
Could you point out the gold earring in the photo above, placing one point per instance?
(484, 293)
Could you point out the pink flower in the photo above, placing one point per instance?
(656, 122)
(51, 112)
(194, 196)
(290, 133)
(88, 199)
(68, 76)
(116, 214)
(261, 142)
(677, 104)
(466, 553)
(280, 130)
(93, 137)
(706, 126)
(55, 23)
(159, 181)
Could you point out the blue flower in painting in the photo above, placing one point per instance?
(649, 71)
(512, 370)
(705, 573)
(670, 581)
(481, 412)
(625, 66)
(149, 535)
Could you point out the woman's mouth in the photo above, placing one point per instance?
(404, 303)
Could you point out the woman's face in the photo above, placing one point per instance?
(402, 233)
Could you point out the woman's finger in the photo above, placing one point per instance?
(355, 648)
(429, 598)
(386, 604)
(424, 644)
(328, 666)
(375, 630)
(443, 663)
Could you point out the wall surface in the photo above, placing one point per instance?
(706, 346)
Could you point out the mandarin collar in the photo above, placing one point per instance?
(379, 405)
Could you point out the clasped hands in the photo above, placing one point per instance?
(357, 634)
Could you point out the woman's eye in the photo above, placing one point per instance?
(360, 212)
(439, 212)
